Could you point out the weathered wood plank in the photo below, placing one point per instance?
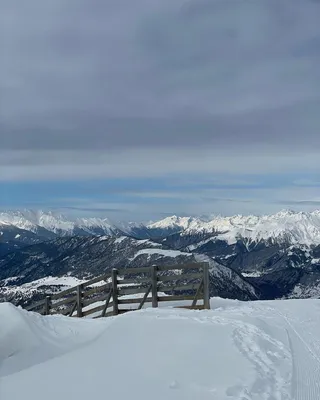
(131, 290)
(145, 297)
(191, 286)
(132, 271)
(115, 291)
(196, 297)
(175, 298)
(64, 301)
(206, 283)
(79, 301)
(154, 284)
(103, 314)
(180, 266)
(64, 293)
(39, 303)
(100, 278)
(87, 302)
(110, 305)
(130, 281)
(47, 305)
(178, 277)
(101, 307)
(198, 307)
(133, 301)
(65, 311)
(73, 309)
(92, 310)
(118, 286)
(97, 289)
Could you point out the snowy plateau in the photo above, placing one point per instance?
(266, 350)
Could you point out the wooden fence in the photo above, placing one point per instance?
(107, 294)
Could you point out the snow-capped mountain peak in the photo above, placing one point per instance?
(286, 225)
(173, 222)
(31, 220)
(295, 227)
(36, 221)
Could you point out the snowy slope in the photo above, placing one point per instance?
(175, 223)
(239, 351)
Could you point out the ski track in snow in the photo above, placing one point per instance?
(264, 353)
(305, 364)
(303, 351)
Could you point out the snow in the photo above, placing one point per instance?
(256, 274)
(161, 252)
(31, 220)
(89, 224)
(147, 242)
(306, 291)
(120, 239)
(237, 350)
(68, 281)
(104, 238)
(28, 289)
(173, 222)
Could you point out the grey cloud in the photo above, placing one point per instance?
(221, 200)
(96, 210)
(107, 75)
(150, 162)
(285, 127)
(315, 203)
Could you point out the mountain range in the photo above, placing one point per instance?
(251, 257)
(285, 226)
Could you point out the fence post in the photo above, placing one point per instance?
(115, 291)
(79, 301)
(206, 283)
(47, 305)
(154, 282)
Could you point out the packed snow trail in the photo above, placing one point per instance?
(305, 349)
(236, 351)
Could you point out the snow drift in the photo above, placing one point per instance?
(243, 351)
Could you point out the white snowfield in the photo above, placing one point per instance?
(237, 350)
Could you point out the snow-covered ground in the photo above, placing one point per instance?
(237, 350)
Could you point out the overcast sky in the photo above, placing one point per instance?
(138, 109)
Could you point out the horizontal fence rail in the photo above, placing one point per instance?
(105, 295)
